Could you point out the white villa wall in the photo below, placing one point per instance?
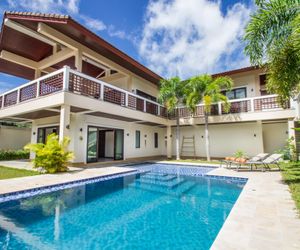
(225, 139)
(14, 138)
(145, 86)
(79, 138)
(275, 136)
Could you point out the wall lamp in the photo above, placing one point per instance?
(68, 126)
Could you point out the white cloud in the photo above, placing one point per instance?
(92, 23)
(69, 6)
(191, 37)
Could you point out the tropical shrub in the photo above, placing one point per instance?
(289, 151)
(53, 156)
(240, 154)
(6, 155)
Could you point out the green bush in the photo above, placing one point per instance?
(53, 156)
(13, 155)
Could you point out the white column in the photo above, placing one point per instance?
(291, 130)
(66, 78)
(78, 60)
(169, 141)
(33, 137)
(64, 123)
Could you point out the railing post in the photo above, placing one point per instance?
(126, 99)
(102, 92)
(158, 110)
(219, 108)
(2, 102)
(145, 106)
(38, 88)
(252, 104)
(18, 96)
(66, 78)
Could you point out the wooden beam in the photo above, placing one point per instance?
(6, 55)
(72, 44)
(56, 58)
(27, 31)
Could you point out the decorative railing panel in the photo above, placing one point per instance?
(151, 108)
(268, 103)
(114, 96)
(51, 84)
(140, 104)
(11, 98)
(237, 107)
(84, 86)
(28, 92)
(1, 99)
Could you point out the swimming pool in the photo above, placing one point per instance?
(156, 207)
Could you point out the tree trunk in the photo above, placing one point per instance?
(207, 138)
(177, 135)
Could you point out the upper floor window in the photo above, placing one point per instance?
(262, 84)
(237, 93)
(145, 95)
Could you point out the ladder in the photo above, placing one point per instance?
(188, 146)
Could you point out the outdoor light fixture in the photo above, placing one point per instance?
(254, 135)
(68, 126)
(127, 134)
(80, 129)
(33, 133)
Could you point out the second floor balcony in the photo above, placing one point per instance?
(71, 81)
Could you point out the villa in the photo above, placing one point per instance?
(106, 102)
(82, 87)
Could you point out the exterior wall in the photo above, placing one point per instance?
(225, 139)
(145, 86)
(79, 138)
(249, 80)
(14, 138)
(275, 136)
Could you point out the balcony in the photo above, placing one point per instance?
(69, 80)
(245, 105)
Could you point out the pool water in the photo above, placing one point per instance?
(151, 210)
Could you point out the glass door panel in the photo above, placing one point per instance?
(92, 144)
(119, 142)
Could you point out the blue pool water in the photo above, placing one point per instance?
(150, 209)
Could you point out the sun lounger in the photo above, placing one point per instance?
(265, 163)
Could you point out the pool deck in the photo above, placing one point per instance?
(264, 216)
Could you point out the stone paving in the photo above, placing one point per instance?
(264, 216)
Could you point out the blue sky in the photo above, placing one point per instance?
(178, 37)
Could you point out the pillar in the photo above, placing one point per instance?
(169, 142)
(78, 61)
(33, 138)
(260, 138)
(64, 122)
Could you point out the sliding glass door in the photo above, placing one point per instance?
(119, 144)
(92, 144)
(98, 145)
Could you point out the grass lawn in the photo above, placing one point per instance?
(8, 173)
(291, 176)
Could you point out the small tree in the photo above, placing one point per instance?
(171, 95)
(206, 89)
(52, 156)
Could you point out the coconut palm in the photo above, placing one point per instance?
(206, 89)
(171, 95)
(272, 40)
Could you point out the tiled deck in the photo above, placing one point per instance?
(264, 216)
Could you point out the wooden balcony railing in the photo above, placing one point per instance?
(69, 80)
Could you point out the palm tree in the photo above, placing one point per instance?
(171, 95)
(272, 40)
(206, 89)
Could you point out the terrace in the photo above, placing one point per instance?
(74, 82)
